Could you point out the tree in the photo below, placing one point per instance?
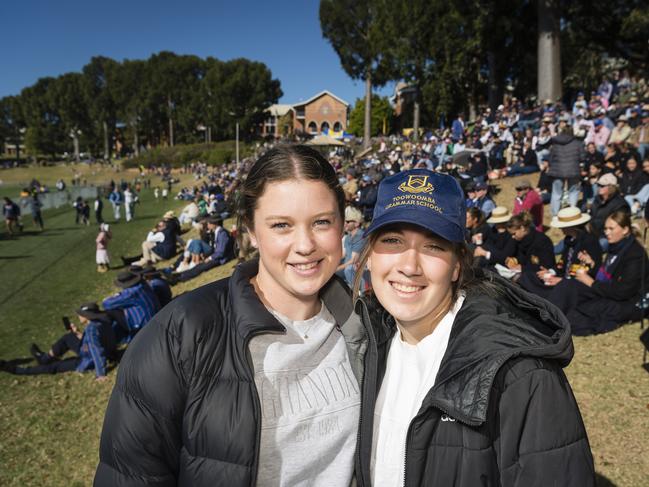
(45, 133)
(381, 121)
(353, 27)
(98, 83)
(66, 96)
(11, 122)
(130, 97)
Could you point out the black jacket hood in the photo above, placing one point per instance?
(490, 329)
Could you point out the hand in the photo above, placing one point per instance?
(479, 252)
(552, 280)
(584, 277)
(541, 273)
(585, 258)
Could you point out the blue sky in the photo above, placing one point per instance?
(50, 37)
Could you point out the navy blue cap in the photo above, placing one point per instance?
(423, 198)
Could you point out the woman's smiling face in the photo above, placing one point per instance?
(297, 229)
(412, 273)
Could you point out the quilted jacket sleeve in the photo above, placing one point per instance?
(542, 439)
(141, 436)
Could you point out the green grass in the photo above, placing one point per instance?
(50, 425)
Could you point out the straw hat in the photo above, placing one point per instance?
(569, 217)
(169, 214)
(500, 214)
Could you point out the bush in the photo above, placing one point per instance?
(177, 156)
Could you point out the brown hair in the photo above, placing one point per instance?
(476, 214)
(460, 249)
(283, 163)
(523, 219)
(623, 219)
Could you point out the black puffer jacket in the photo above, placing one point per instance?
(501, 412)
(566, 153)
(185, 409)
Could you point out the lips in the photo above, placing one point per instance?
(306, 268)
(405, 288)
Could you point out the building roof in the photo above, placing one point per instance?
(278, 110)
(324, 92)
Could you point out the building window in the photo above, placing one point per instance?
(313, 128)
(338, 127)
(324, 127)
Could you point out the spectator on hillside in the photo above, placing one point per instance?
(598, 135)
(566, 154)
(599, 304)
(367, 198)
(351, 185)
(353, 243)
(533, 250)
(221, 251)
(130, 198)
(160, 244)
(638, 200)
(190, 212)
(640, 136)
(577, 241)
(528, 200)
(621, 132)
(115, 198)
(478, 231)
(457, 128)
(483, 200)
(93, 346)
(526, 163)
(137, 301)
(499, 245)
(608, 201)
(159, 285)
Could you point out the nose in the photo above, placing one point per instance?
(408, 264)
(304, 241)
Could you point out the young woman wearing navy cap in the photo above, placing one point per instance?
(463, 381)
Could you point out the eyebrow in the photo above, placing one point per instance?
(290, 217)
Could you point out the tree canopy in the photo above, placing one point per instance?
(163, 100)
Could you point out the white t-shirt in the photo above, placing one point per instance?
(410, 373)
(310, 404)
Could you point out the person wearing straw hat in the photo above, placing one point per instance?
(581, 250)
(93, 342)
(499, 244)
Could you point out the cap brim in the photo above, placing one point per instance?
(436, 224)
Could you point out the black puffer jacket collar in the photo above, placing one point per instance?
(252, 317)
(487, 332)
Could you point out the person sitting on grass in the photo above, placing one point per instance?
(159, 285)
(530, 201)
(137, 300)
(221, 251)
(93, 346)
(160, 244)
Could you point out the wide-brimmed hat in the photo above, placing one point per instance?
(127, 279)
(421, 197)
(607, 179)
(569, 217)
(353, 214)
(169, 214)
(500, 214)
(90, 311)
(150, 271)
(214, 219)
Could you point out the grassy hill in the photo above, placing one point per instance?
(50, 424)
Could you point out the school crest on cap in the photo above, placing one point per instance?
(416, 184)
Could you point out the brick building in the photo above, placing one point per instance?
(321, 113)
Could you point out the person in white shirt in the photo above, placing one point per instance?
(463, 386)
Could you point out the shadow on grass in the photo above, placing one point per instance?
(14, 257)
(601, 481)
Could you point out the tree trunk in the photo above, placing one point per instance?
(473, 106)
(495, 81)
(416, 115)
(136, 138)
(171, 123)
(549, 52)
(75, 143)
(367, 127)
(106, 142)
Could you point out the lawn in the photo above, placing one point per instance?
(50, 424)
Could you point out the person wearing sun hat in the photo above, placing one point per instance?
(578, 247)
(447, 340)
(499, 244)
(137, 300)
(93, 342)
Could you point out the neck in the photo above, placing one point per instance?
(414, 332)
(293, 307)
